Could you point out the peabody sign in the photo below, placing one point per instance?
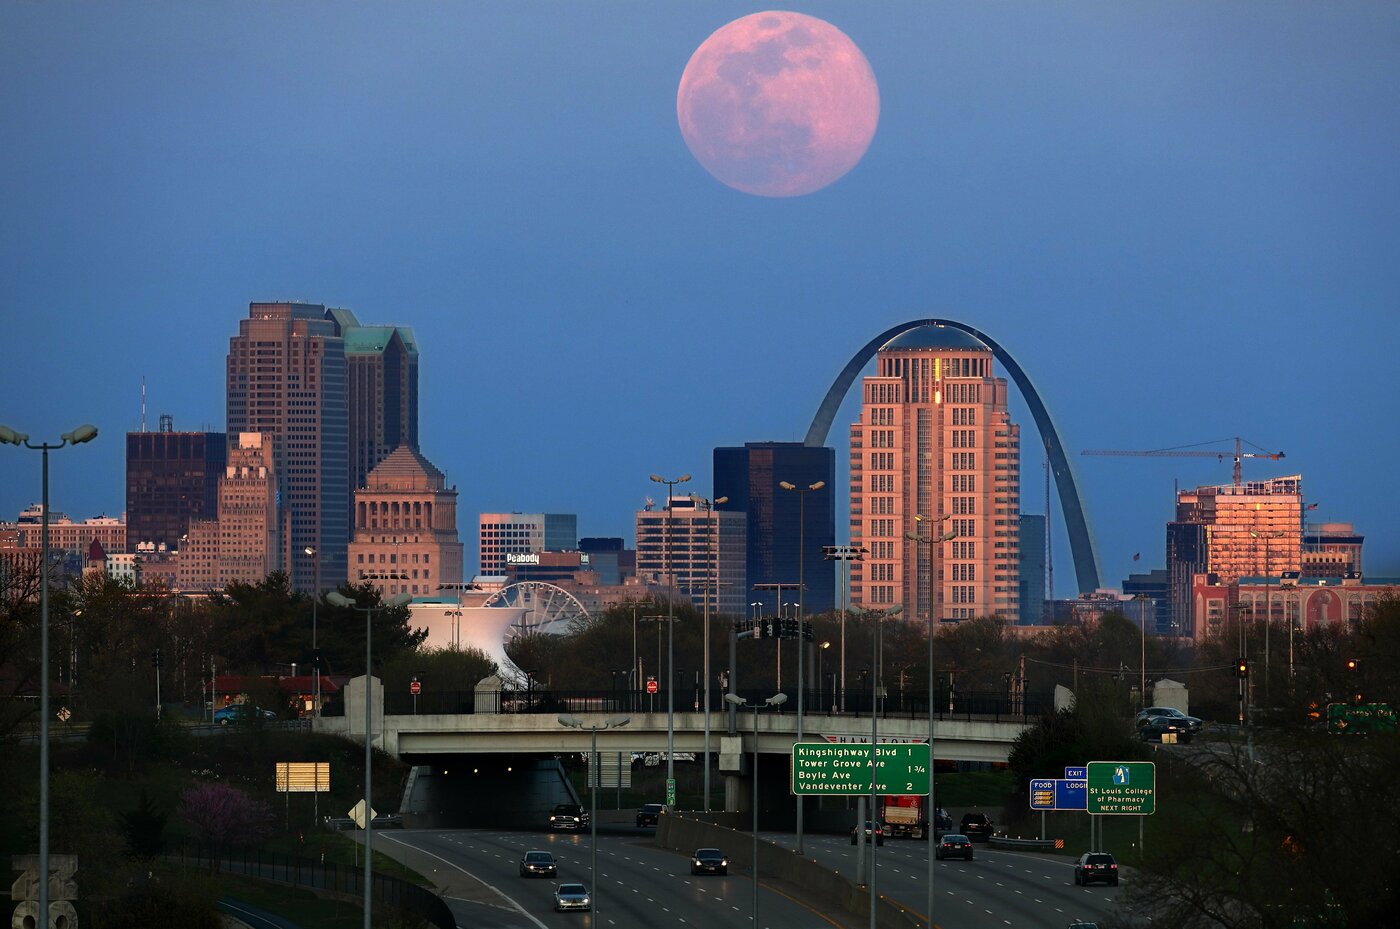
(824, 768)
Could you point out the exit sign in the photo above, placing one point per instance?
(823, 768)
(1122, 788)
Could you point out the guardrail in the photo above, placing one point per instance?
(1028, 845)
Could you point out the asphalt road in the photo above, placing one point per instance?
(995, 890)
(640, 886)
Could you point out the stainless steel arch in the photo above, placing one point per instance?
(1081, 541)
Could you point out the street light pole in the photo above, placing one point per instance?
(802, 493)
(84, 433)
(931, 828)
(844, 554)
(339, 599)
(738, 703)
(670, 647)
(594, 777)
(315, 652)
(711, 576)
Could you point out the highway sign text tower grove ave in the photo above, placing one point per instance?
(1122, 788)
(823, 768)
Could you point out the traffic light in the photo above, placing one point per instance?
(155, 659)
(807, 631)
(1242, 668)
(1351, 664)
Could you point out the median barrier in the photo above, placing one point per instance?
(684, 834)
(1030, 845)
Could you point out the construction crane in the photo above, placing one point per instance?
(1190, 451)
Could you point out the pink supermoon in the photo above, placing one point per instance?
(778, 104)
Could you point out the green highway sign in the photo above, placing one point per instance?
(833, 769)
(1122, 788)
(670, 791)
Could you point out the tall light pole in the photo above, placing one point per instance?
(594, 776)
(315, 652)
(670, 646)
(844, 554)
(876, 675)
(802, 493)
(931, 829)
(711, 577)
(8, 436)
(338, 599)
(738, 702)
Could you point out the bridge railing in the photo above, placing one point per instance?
(970, 705)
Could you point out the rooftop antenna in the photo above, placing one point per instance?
(143, 403)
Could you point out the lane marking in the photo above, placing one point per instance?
(523, 912)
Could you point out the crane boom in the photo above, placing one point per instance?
(1237, 455)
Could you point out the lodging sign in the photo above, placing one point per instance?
(1122, 787)
(820, 768)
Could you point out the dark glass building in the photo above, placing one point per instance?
(1032, 570)
(750, 477)
(171, 478)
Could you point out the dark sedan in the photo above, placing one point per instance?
(538, 864)
(1164, 729)
(709, 861)
(953, 845)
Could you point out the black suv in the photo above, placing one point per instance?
(568, 816)
(1095, 866)
(976, 826)
(648, 814)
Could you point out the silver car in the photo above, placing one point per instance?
(572, 897)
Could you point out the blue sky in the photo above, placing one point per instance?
(1180, 218)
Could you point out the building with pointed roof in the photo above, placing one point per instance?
(405, 528)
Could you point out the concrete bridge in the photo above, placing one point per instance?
(422, 739)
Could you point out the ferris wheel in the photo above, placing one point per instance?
(548, 609)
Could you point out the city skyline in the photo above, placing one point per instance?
(1175, 220)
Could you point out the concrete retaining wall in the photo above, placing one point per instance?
(820, 886)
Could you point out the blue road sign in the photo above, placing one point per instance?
(1053, 794)
(1071, 795)
(1076, 774)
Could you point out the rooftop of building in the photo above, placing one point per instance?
(404, 464)
(934, 337)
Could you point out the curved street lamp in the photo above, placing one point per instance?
(594, 776)
(337, 598)
(670, 640)
(8, 436)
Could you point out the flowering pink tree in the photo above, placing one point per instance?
(224, 815)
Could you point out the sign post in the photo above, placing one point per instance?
(415, 687)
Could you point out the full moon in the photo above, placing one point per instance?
(778, 104)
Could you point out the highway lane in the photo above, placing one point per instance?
(995, 890)
(641, 886)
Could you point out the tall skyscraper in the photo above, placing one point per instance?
(935, 439)
(171, 478)
(505, 534)
(286, 379)
(750, 477)
(698, 551)
(406, 528)
(381, 392)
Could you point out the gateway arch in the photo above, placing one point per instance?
(1081, 542)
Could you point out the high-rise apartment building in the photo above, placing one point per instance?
(698, 551)
(750, 477)
(381, 391)
(406, 528)
(171, 478)
(935, 440)
(286, 380)
(503, 534)
(248, 512)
